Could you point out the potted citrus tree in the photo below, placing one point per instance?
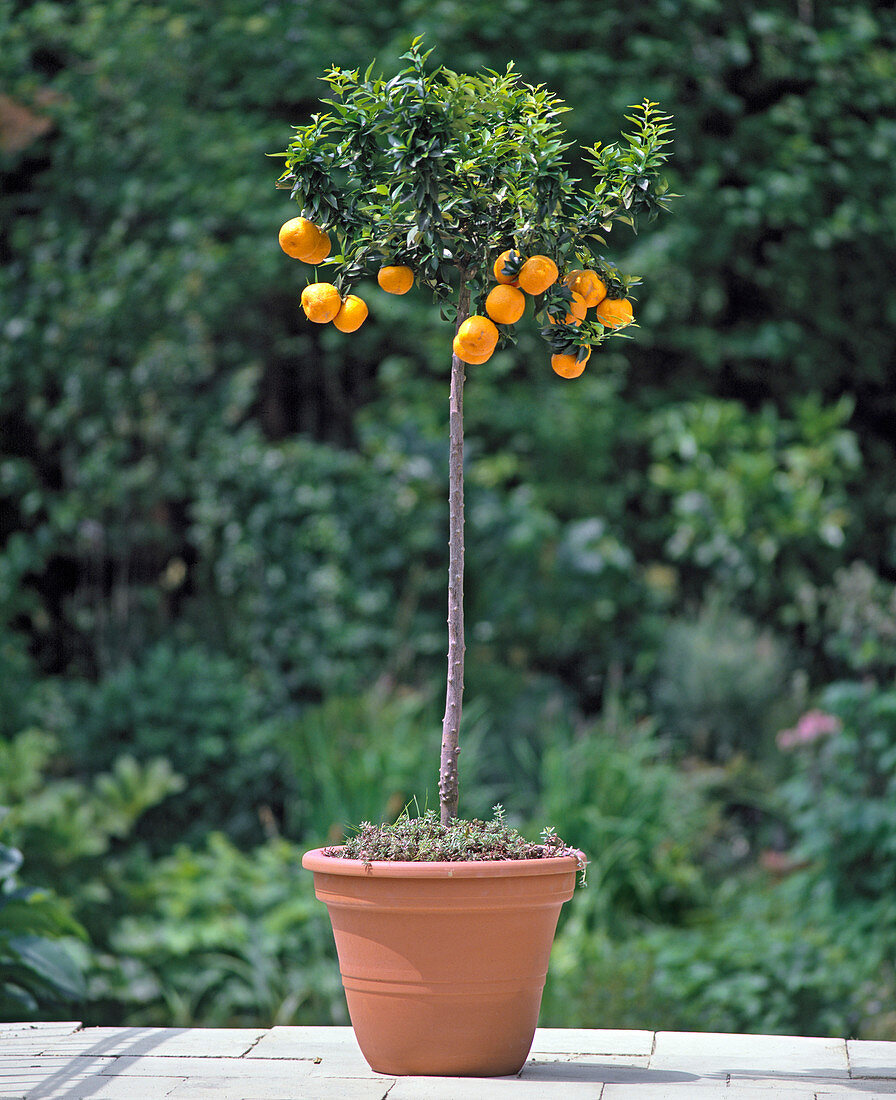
(459, 184)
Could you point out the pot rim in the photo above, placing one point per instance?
(316, 861)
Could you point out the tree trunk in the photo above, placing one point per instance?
(448, 780)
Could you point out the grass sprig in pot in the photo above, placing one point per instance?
(459, 183)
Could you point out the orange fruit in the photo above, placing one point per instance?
(537, 274)
(589, 284)
(568, 366)
(615, 312)
(301, 238)
(470, 357)
(497, 268)
(321, 253)
(395, 279)
(321, 302)
(505, 304)
(352, 314)
(475, 338)
(577, 311)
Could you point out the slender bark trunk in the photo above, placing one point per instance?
(448, 777)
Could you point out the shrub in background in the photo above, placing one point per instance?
(756, 503)
(357, 758)
(769, 959)
(198, 711)
(310, 569)
(39, 975)
(719, 683)
(143, 324)
(841, 800)
(216, 936)
(859, 621)
(760, 956)
(79, 834)
(642, 822)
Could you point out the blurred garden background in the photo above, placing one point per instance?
(223, 530)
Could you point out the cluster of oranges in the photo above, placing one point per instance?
(517, 276)
(302, 240)
(588, 291)
(322, 302)
(477, 337)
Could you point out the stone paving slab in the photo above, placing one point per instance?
(839, 1087)
(205, 1042)
(499, 1088)
(558, 1064)
(554, 1040)
(282, 1088)
(858, 1090)
(823, 1094)
(871, 1059)
(38, 1076)
(702, 1091)
(61, 1028)
(32, 1038)
(187, 1067)
(332, 1050)
(105, 1088)
(68, 1062)
(716, 1055)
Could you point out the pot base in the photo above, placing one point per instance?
(474, 1032)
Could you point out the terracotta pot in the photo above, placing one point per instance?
(443, 964)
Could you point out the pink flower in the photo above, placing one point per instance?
(813, 725)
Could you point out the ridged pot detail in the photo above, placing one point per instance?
(443, 964)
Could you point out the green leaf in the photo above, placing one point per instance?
(51, 964)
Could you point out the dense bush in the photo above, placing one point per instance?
(842, 798)
(38, 973)
(147, 317)
(79, 834)
(359, 529)
(771, 959)
(359, 758)
(720, 683)
(641, 822)
(220, 937)
(199, 712)
(760, 504)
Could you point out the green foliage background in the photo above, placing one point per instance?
(222, 534)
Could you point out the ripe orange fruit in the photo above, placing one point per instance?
(301, 238)
(395, 279)
(352, 314)
(568, 366)
(537, 274)
(498, 266)
(615, 312)
(577, 310)
(321, 302)
(470, 357)
(589, 284)
(321, 253)
(505, 304)
(475, 339)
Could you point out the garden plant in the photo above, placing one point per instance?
(459, 184)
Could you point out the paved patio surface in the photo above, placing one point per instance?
(323, 1063)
